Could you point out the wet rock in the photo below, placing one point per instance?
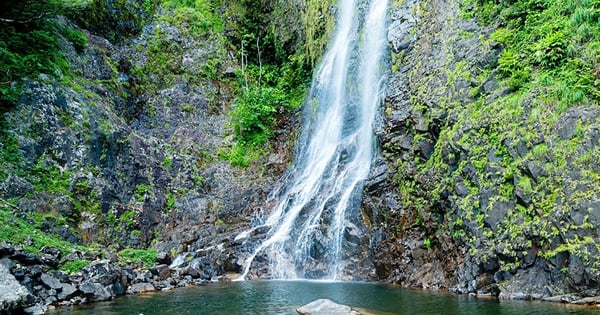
(190, 271)
(587, 301)
(66, 292)
(36, 309)
(564, 298)
(95, 291)
(142, 287)
(527, 284)
(326, 307)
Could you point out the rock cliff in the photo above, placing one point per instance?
(486, 180)
(482, 186)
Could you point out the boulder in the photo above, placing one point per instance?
(94, 291)
(102, 281)
(12, 294)
(326, 307)
(142, 287)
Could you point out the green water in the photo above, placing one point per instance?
(283, 297)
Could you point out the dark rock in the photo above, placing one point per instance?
(19, 273)
(162, 271)
(189, 271)
(94, 291)
(15, 186)
(102, 281)
(6, 249)
(502, 275)
(49, 260)
(34, 271)
(526, 284)
(163, 258)
(576, 271)
(490, 265)
(25, 258)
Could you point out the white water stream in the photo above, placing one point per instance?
(334, 151)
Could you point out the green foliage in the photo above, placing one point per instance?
(10, 155)
(17, 230)
(242, 155)
(74, 266)
(146, 256)
(115, 20)
(167, 162)
(318, 24)
(196, 17)
(76, 37)
(141, 190)
(26, 12)
(127, 218)
(170, 202)
(550, 43)
(254, 114)
(26, 53)
(29, 43)
(48, 177)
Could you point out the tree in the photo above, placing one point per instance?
(26, 12)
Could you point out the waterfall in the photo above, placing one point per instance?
(335, 149)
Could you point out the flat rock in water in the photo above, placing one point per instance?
(142, 287)
(326, 307)
(12, 294)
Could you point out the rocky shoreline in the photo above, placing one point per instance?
(31, 284)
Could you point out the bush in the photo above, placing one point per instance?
(146, 256)
(116, 19)
(74, 266)
(255, 114)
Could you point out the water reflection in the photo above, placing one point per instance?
(283, 297)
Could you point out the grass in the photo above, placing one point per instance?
(19, 230)
(146, 256)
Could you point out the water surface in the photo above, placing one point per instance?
(283, 297)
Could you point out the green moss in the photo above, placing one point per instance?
(74, 266)
(16, 230)
(146, 256)
(142, 190)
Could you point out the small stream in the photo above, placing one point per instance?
(283, 297)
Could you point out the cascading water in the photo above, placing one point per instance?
(335, 148)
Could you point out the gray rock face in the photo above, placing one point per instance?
(486, 207)
(12, 294)
(326, 307)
